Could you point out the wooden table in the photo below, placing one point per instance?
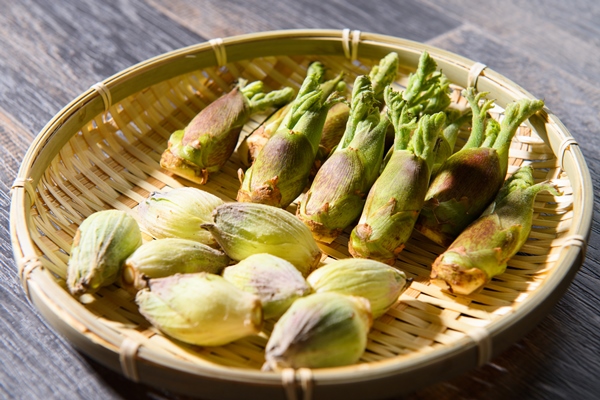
(53, 50)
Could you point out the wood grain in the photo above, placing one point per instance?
(52, 51)
(412, 19)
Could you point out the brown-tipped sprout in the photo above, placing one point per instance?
(467, 182)
(397, 196)
(208, 141)
(282, 168)
(336, 196)
(483, 249)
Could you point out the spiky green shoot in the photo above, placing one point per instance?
(252, 144)
(427, 92)
(209, 139)
(470, 179)
(337, 194)
(281, 169)
(397, 196)
(427, 89)
(455, 119)
(381, 76)
(483, 249)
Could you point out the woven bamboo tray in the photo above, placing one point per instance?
(102, 151)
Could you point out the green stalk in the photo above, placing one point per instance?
(208, 141)
(480, 117)
(281, 169)
(482, 251)
(336, 196)
(469, 180)
(395, 199)
(362, 110)
(514, 115)
(455, 119)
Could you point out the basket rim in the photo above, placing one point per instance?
(65, 313)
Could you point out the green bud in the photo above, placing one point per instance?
(243, 229)
(274, 280)
(201, 309)
(102, 243)
(379, 283)
(170, 256)
(320, 330)
(179, 213)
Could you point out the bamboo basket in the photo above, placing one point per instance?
(102, 151)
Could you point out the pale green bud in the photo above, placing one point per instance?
(243, 229)
(102, 243)
(320, 330)
(179, 213)
(170, 256)
(379, 283)
(274, 280)
(201, 309)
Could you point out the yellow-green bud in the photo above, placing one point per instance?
(170, 256)
(102, 243)
(243, 229)
(379, 283)
(320, 330)
(179, 213)
(274, 280)
(201, 309)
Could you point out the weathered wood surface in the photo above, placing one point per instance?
(52, 51)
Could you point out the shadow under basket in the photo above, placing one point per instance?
(102, 151)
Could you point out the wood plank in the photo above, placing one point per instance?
(410, 19)
(570, 97)
(50, 52)
(565, 34)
